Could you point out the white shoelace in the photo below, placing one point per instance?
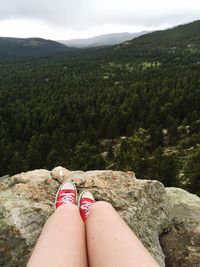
(86, 207)
(68, 197)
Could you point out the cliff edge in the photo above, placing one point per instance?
(166, 219)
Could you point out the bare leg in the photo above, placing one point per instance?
(62, 242)
(111, 243)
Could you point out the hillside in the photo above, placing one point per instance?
(181, 36)
(18, 48)
(181, 39)
(108, 108)
(102, 40)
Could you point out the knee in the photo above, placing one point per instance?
(101, 210)
(102, 205)
(64, 211)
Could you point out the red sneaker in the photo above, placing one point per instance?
(86, 200)
(67, 194)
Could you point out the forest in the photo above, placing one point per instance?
(132, 107)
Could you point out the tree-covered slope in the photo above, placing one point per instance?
(181, 39)
(67, 110)
(19, 48)
(181, 36)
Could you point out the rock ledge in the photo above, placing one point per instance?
(166, 219)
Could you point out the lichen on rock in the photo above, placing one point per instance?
(181, 243)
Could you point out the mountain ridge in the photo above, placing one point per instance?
(166, 43)
(183, 32)
(11, 47)
(102, 40)
(14, 49)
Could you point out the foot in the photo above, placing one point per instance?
(86, 200)
(67, 194)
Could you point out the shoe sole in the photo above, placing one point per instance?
(61, 187)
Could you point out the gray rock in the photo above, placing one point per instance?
(4, 177)
(181, 243)
(27, 200)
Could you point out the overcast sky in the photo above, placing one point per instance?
(67, 19)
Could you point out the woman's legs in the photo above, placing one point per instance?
(62, 242)
(111, 243)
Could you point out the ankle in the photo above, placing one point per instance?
(85, 203)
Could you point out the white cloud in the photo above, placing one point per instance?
(31, 28)
(59, 19)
